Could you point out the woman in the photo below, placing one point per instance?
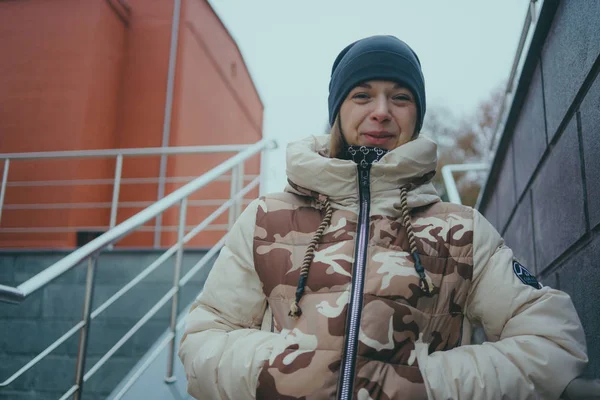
(359, 283)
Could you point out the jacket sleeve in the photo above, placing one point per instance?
(223, 348)
(537, 344)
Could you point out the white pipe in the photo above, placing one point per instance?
(450, 183)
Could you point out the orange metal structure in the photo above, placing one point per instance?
(78, 75)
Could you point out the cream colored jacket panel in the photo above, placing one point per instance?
(538, 344)
(223, 348)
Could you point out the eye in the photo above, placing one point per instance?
(360, 96)
(402, 97)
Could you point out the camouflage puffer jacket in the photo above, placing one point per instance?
(358, 283)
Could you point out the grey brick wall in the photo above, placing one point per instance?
(545, 194)
(28, 328)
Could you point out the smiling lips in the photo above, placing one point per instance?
(377, 138)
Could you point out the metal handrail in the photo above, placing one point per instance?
(129, 181)
(134, 152)
(123, 204)
(92, 250)
(117, 181)
(449, 181)
(101, 228)
(216, 227)
(59, 268)
(170, 336)
(137, 279)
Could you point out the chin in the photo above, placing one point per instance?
(385, 146)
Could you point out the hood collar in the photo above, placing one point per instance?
(312, 173)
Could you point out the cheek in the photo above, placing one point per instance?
(351, 116)
(407, 117)
(343, 116)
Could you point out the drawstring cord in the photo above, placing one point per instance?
(425, 282)
(295, 310)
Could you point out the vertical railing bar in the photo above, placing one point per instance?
(450, 183)
(4, 181)
(168, 111)
(43, 354)
(115, 198)
(116, 190)
(170, 378)
(240, 186)
(85, 330)
(158, 221)
(261, 173)
(132, 331)
(232, 191)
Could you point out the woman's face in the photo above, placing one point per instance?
(380, 114)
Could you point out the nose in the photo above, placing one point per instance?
(381, 111)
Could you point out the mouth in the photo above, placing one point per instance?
(378, 138)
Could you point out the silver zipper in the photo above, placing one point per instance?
(358, 278)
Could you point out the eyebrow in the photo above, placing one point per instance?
(396, 86)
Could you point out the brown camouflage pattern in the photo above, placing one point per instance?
(394, 313)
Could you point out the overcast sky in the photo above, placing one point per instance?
(466, 48)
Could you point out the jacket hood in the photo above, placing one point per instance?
(311, 172)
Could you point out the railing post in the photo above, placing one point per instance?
(240, 183)
(85, 330)
(116, 188)
(115, 198)
(237, 184)
(170, 378)
(158, 220)
(4, 181)
(168, 111)
(451, 189)
(232, 192)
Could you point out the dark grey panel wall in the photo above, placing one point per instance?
(506, 198)
(551, 216)
(558, 199)
(519, 234)
(590, 129)
(529, 141)
(579, 276)
(570, 50)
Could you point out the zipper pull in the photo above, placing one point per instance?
(363, 176)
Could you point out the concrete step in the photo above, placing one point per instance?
(151, 383)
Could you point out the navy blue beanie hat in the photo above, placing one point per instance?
(376, 58)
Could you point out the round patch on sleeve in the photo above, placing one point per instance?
(525, 276)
